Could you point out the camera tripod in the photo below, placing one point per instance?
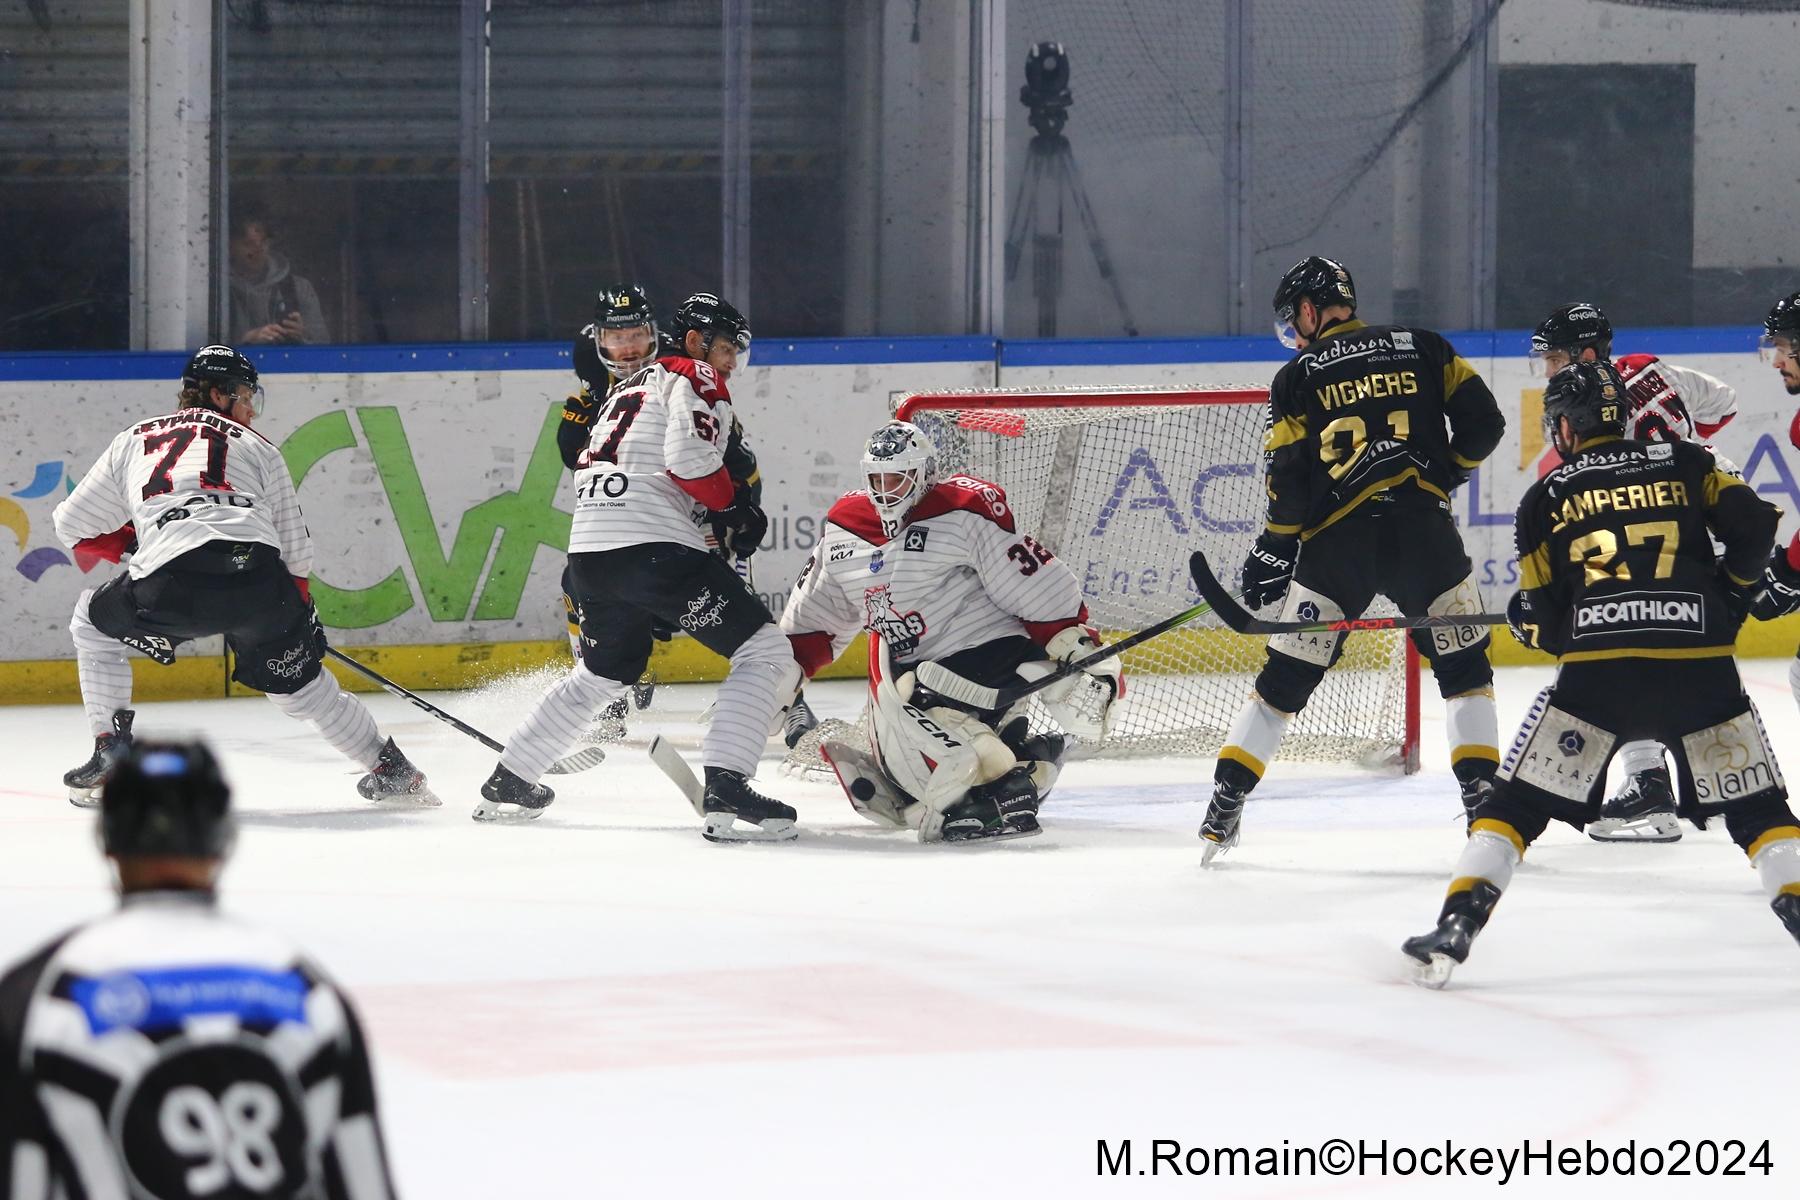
(1050, 167)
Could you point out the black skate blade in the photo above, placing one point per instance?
(724, 828)
(581, 760)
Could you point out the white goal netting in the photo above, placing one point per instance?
(1124, 484)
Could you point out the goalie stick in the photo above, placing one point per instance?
(581, 760)
(951, 686)
(1241, 619)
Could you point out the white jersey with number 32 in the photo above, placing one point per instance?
(192, 477)
(957, 575)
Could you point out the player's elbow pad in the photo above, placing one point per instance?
(812, 651)
(715, 491)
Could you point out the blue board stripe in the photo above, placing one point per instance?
(46, 366)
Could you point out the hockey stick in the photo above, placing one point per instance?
(670, 762)
(581, 760)
(951, 686)
(1241, 619)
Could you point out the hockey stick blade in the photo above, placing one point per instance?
(950, 685)
(581, 760)
(670, 762)
(1242, 620)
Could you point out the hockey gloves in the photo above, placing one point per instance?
(1780, 594)
(1081, 703)
(1269, 568)
(1526, 626)
(740, 529)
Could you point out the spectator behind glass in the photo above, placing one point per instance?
(269, 303)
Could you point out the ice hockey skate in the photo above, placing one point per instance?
(798, 721)
(1438, 953)
(1643, 812)
(997, 811)
(395, 779)
(609, 726)
(84, 781)
(1787, 907)
(736, 812)
(1220, 828)
(507, 799)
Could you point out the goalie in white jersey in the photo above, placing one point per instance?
(652, 479)
(168, 1050)
(202, 510)
(937, 570)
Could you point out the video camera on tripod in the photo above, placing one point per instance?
(1050, 166)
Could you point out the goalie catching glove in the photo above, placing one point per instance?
(1081, 703)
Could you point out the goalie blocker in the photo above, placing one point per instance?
(937, 572)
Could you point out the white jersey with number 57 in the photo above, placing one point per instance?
(185, 479)
(957, 575)
(655, 460)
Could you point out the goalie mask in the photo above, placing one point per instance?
(624, 329)
(900, 466)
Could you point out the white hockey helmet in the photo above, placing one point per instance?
(900, 466)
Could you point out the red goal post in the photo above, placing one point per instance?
(1123, 483)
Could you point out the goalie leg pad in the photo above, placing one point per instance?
(871, 793)
(935, 754)
(1557, 752)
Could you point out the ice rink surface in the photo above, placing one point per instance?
(604, 1003)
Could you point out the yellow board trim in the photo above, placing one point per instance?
(1484, 753)
(1504, 829)
(1244, 759)
(1779, 833)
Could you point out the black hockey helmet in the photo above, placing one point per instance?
(711, 317)
(623, 307)
(1568, 331)
(1324, 281)
(1591, 395)
(223, 368)
(166, 799)
(1783, 321)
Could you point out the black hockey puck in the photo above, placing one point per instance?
(863, 789)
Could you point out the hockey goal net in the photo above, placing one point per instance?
(1123, 485)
